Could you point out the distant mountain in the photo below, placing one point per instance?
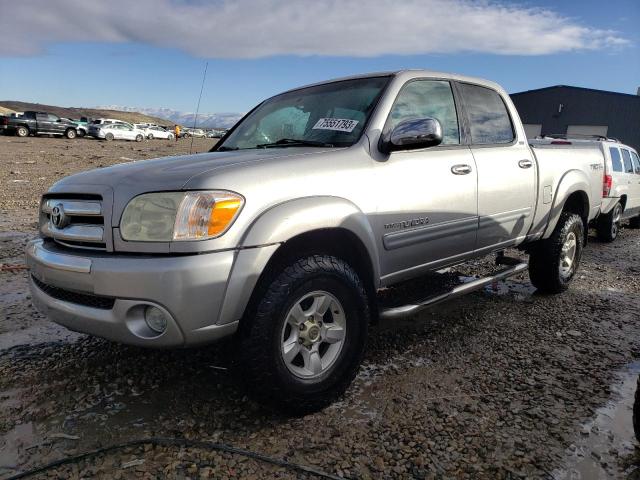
(205, 120)
(132, 115)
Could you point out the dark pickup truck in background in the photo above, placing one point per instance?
(38, 123)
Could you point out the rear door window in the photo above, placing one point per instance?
(636, 162)
(488, 116)
(616, 159)
(626, 156)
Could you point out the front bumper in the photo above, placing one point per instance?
(189, 289)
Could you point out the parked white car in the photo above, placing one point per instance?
(97, 124)
(159, 132)
(119, 131)
(193, 132)
(620, 181)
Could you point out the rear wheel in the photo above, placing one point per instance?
(635, 222)
(150, 136)
(139, 138)
(170, 137)
(608, 225)
(302, 345)
(553, 262)
(22, 131)
(108, 137)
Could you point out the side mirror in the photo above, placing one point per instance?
(412, 135)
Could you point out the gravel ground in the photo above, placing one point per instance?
(504, 383)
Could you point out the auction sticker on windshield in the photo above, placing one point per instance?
(339, 124)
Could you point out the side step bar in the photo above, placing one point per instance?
(402, 311)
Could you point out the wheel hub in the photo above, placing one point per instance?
(568, 254)
(313, 334)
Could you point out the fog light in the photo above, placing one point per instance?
(155, 318)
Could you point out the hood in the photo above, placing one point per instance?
(172, 173)
(128, 180)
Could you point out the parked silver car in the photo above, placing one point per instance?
(284, 233)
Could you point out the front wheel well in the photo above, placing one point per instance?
(338, 242)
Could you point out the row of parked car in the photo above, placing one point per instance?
(43, 123)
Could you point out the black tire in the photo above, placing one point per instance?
(608, 226)
(636, 411)
(171, 137)
(546, 271)
(139, 138)
(634, 222)
(70, 133)
(81, 133)
(150, 136)
(22, 131)
(108, 137)
(267, 377)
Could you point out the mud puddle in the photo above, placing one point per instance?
(37, 334)
(607, 438)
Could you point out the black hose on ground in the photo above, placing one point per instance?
(178, 442)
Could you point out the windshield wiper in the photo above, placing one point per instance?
(292, 142)
(226, 149)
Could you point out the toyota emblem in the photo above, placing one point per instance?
(58, 217)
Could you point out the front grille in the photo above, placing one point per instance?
(74, 221)
(86, 299)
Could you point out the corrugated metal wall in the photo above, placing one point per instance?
(581, 106)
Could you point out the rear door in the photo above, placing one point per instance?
(633, 198)
(506, 169)
(636, 181)
(44, 123)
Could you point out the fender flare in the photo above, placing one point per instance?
(571, 182)
(276, 226)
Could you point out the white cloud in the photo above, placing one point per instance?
(261, 28)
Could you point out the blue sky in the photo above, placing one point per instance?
(159, 63)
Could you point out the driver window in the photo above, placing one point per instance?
(428, 98)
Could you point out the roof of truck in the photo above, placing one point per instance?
(408, 74)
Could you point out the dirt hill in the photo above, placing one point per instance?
(5, 111)
(77, 112)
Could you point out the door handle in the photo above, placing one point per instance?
(526, 163)
(461, 169)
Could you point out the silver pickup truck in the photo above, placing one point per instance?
(286, 232)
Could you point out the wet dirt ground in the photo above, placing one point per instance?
(504, 383)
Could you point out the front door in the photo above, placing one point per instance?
(427, 209)
(506, 170)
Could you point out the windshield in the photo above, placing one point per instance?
(329, 115)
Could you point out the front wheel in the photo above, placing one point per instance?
(608, 225)
(139, 138)
(150, 136)
(108, 137)
(81, 133)
(303, 344)
(70, 134)
(170, 137)
(553, 262)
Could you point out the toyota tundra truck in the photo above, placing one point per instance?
(285, 235)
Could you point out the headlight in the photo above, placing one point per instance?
(180, 216)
